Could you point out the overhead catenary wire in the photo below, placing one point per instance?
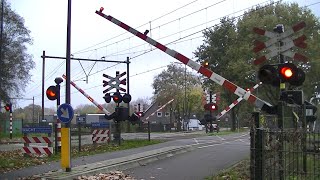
(305, 6)
(178, 33)
(164, 24)
(77, 52)
(180, 38)
(167, 36)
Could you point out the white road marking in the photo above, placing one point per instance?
(196, 140)
(213, 145)
(221, 138)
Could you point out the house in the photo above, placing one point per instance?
(159, 116)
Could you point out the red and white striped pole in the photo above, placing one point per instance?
(10, 123)
(234, 103)
(194, 65)
(58, 135)
(89, 97)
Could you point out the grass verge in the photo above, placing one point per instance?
(13, 160)
(227, 132)
(239, 171)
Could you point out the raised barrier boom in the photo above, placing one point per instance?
(259, 103)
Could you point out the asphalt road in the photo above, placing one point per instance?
(86, 139)
(210, 155)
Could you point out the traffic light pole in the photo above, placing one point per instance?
(280, 29)
(58, 81)
(117, 135)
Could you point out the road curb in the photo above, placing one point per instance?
(122, 163)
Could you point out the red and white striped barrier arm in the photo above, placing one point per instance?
(38, 150)
(37, 139)
(152, 114)
(87, 96)
(204, 71)
(234, 103)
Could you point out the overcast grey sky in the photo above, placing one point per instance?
(94, 37)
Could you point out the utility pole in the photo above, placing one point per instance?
(43, 72)
(1, 31)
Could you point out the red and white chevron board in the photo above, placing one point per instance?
(37, 139)
(37, 150)
(234, 103)
(100, 139)
(163, 106)
(100, 131)
(201, 69)
(100, 135)
(87, 96)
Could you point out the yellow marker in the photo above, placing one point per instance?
(282, 85)
(65, 148)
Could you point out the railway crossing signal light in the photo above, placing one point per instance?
(286, 72)
(126, 98)
(8, 107)
(267, 74)
(117, 98)
(52, 93)
(289, 72)
(211, 107)
(107, 97)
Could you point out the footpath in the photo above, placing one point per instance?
(100, 163)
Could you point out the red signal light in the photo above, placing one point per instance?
(286, 72)
(117, 98)
(7, 107)
(52, 93)
(289, 72)
(211, 107)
